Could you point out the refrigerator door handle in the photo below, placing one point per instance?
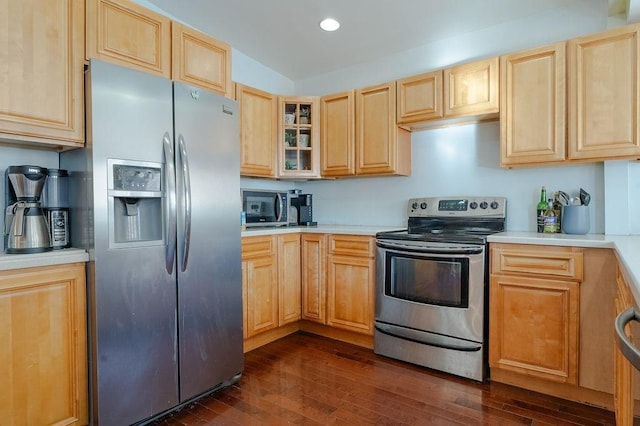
(184, 168)
(170, 191)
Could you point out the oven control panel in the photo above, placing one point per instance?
(458, 207)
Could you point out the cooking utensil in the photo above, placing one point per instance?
(564, 198)
(585, 197)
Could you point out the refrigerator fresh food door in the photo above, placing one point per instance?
(133, 315)
(208, 256)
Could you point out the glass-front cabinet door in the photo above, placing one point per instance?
(299, 137)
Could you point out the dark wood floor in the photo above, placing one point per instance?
(310, 380)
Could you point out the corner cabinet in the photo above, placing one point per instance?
(42, 77)
(258, 113)
(299, 137)
(288, 278)
(382, 148)
(43, 356)
(604, 94)
(313, 251)
(533, 106)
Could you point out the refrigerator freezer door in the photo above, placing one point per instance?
(133, 314)
(210, 288)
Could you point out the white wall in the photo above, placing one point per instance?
(577, 17)
(454, 161)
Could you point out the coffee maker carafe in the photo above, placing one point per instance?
(26, 229)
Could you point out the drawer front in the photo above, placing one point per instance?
(258, 246)
(542, 261)
(352, 245)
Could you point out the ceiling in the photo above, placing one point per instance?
(284, 34)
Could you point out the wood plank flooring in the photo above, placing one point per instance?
(304, 379)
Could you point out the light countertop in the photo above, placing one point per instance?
(55, 257)
(627, 248)
(321, 229)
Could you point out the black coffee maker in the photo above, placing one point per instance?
(304, 205)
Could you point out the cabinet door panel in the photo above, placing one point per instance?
(605, 95)
(350, 286)
(420, 97)
(338, 134)
(43, 358)
(258, 131)
(471, 89)
(532, 94)
(42, 77)
(289, 278)
(262, 295)
(200, 60)
(125, 33)
(376, 112)
(534, 327)
(314, 285)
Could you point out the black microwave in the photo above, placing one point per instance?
(265, 208)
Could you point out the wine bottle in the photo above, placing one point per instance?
(540, 209)
(550, 223)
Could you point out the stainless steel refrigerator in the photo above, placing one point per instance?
(156, 204)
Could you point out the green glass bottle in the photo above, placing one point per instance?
(540, 209)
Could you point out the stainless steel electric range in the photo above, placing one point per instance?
(432, 284)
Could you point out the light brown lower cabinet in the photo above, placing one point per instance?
(551, 320)
(627, 379)
(314, 285)
(319, 283)
(43, 354)
(259, 285)
(351, 282)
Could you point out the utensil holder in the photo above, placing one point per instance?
(575, 220)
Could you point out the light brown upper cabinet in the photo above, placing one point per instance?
(419, 97)
(471, 89)
(258, 131)
(382, 148)
(298, 137)
(200, 60)
(133, 36)
(41, 82)
(338, 133)
(533, 106)
(128, 34)
(604, 94)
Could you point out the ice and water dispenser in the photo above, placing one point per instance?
(135, 203)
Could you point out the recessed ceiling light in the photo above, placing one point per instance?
(329, 24)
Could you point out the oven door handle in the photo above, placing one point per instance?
(430, 249)
(427, 338)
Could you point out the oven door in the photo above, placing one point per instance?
(434, 287)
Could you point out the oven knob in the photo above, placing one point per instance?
(414, 205)
(473, 205)
(423, 205)
(494, 205)
(484, 205)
